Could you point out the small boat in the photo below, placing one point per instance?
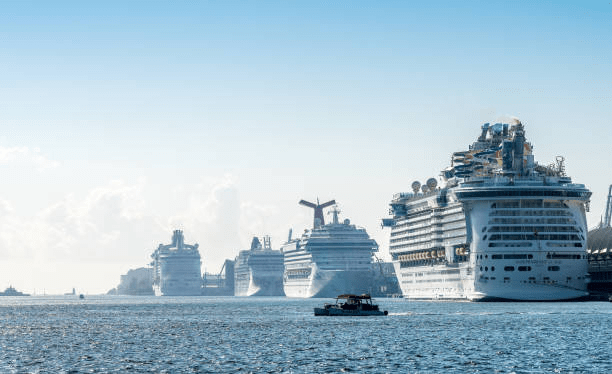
(351, 305)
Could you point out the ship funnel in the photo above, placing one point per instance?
(519, 144)
(416, 185)
(177, 238)
(318, 210)
(255, 244)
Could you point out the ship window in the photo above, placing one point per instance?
(497, 257)
(506, 280)
(484, 229)
(553, 268)
(524, 268)
(559, 256)
(481, 268)
(486, 268)
(515, 257)
(484, 237)
(509, 268)
(492, 268)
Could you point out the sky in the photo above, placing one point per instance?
(121, 121)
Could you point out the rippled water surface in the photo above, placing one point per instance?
(147, 334)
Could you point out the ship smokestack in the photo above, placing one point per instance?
(318, 210)
(519, 145)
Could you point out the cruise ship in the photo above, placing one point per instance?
(500, 226)
(330, 259)
(176, 268)
(259, 270)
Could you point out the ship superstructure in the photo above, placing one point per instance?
(501, 226)
(259, 270)
(176, 268)
(329, 259)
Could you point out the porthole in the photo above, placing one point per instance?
(486, 268)
(492, 268)
(481, 268)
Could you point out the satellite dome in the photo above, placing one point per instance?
(416, 185)
(347, 221)
(424, 188)
(432, 183)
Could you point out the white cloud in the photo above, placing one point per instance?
(212, 218)
(108, 225)
(115, 225)
(26, 155)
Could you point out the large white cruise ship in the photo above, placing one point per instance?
(176, 268)
(259, 271)
(500, 227)
(330, 259)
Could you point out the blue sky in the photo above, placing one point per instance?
(169, 108)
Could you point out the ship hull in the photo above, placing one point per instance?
(442, 282)
(329, 283)
(169, 290)
(258, 284)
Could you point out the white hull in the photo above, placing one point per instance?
(329, 283)
(433, 282)
(193, 290)
(260, 284)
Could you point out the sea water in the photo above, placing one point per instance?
(270, 335)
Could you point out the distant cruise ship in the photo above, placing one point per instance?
(176, 268)
(259, 271)
(330, 259)
(501, 226)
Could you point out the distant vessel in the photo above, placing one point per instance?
(11, 291)
(328, 259)
(259, 270)
(501, 226)
(176, 268)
